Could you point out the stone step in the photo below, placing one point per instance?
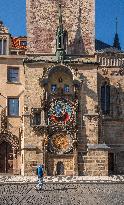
(62, 179)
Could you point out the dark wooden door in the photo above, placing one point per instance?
(60, 168)
(6, 158)
(111, 164)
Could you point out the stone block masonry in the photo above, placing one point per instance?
(78, 21)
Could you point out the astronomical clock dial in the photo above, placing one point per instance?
(61, 111)
(61, 143)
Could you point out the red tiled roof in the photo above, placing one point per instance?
(18, 42)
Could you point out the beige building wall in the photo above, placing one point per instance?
(8, 89)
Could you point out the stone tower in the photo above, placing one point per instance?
(61, 119)
(78, 20)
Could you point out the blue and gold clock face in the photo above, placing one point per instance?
(60, 111)
(61, 108)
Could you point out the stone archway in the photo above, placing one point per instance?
(9, 145)
(10, 138)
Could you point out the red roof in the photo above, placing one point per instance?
(19, 43)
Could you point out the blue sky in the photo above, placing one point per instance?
(12, 13)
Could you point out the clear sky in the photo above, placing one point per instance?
(12, 13)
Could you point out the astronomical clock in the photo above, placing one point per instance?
(62, 124)
(61, 110)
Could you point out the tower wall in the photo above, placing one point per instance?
(78, 21)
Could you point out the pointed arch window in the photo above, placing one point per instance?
(105, 98)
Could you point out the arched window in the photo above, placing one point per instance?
(105, 98)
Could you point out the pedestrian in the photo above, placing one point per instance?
(40, 177)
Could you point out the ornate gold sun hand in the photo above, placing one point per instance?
(60, 142)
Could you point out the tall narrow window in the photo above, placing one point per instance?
(111, 163)
(0, 46)
(105, 98)
(37, 118)
(4, 46)
(13, 106)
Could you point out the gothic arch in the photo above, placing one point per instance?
(105, 96)
(10, 138)
(63, 68)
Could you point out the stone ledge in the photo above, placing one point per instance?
(97, 146)
(63, 179)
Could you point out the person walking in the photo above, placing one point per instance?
(40, 177)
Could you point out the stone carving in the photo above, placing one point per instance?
(25, 108)
(119, 72)
(91, 117)
(3, 29)
(105, 71)
(3, 120)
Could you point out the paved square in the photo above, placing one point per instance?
(63, 194)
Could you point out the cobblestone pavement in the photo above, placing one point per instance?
(63, 194)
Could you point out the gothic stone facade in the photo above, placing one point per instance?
(73, 107)
(74, 128)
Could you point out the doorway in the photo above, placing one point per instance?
(60, 168)
(6, 158)
(111, 163)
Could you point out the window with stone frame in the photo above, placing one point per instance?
(13, 107)
(0, 46)
(105, 98)
(37, 118)
(3, 46)
(13, 74)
